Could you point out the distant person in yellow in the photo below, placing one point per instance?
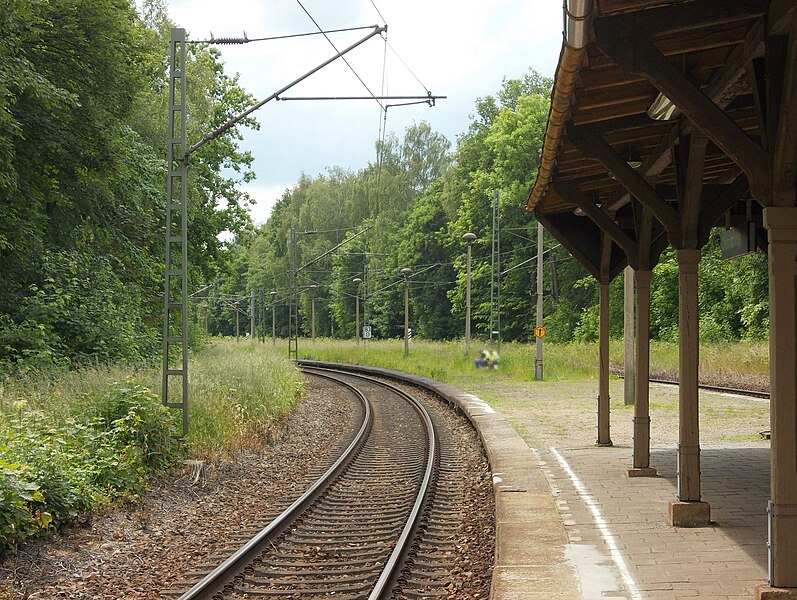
(487, 358)
(492, 358)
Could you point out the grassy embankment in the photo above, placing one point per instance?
(561, 409)
(74, 442)
(447, 360)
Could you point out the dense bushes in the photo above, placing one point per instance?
(53, 469)
(81, 312)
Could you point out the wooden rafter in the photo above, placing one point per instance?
(636, 54)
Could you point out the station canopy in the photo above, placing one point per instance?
(616, 152)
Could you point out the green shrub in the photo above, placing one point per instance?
(137, 421)
(20, 499)
(53, 469)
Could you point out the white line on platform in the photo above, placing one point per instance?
(597, 517)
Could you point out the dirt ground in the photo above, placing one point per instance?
(564, 413)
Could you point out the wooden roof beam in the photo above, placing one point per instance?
(686, 16)
(693, 190)
(597, 148)
(643, 219)
(784, 145)
(637, 54)
(720, 204)
(552, 222)
(723, 79)
(572, 194)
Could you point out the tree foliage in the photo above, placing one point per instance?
(418, 199)
(83, 130)
(83, 97)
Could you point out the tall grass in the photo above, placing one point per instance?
(239, 393)
(447, 360)
(578, 360)
(745, 357)
(65, 394)
(236, 390)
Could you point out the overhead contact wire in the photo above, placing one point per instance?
(331, 43)
(406, 66)
(378, 12)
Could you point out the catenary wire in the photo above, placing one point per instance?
(331, 43)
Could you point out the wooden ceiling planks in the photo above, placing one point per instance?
(700, 38)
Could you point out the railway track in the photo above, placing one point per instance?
(380, 522)
(719, 388)
(707, 386)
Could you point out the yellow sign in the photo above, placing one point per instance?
(540, 331)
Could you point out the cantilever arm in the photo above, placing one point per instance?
(234, 120)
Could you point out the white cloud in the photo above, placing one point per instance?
(458, 48)
(265, 196)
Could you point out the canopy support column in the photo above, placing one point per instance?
(641, 460)
(688, 510)
(781, 224)
(629, 336)
(604, 438)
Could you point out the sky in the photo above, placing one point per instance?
(461, 49)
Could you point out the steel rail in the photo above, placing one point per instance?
(708, 387)
(719, 388)
(217, 579)
(392, 566)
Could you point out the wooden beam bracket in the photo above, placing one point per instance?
(636, 54)
(595, 147)
(572, 194)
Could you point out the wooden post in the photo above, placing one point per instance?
(629, 377)
(641, 460)
(781, 224)
(604, 438)
(688, 510)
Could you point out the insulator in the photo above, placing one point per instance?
(242, 40)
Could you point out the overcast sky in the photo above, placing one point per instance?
(461, 49)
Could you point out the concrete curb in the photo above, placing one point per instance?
(530, 543)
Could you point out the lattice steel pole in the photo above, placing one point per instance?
(175, 297)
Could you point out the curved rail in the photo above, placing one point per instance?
(230, 568)
(386, 574)
(706, 386)
(402, 545)
(721, 389)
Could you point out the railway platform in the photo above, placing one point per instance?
(571, 523)
(611, 531)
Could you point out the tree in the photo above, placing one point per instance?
(82, 156)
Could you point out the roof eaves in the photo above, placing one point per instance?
(570, 62)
